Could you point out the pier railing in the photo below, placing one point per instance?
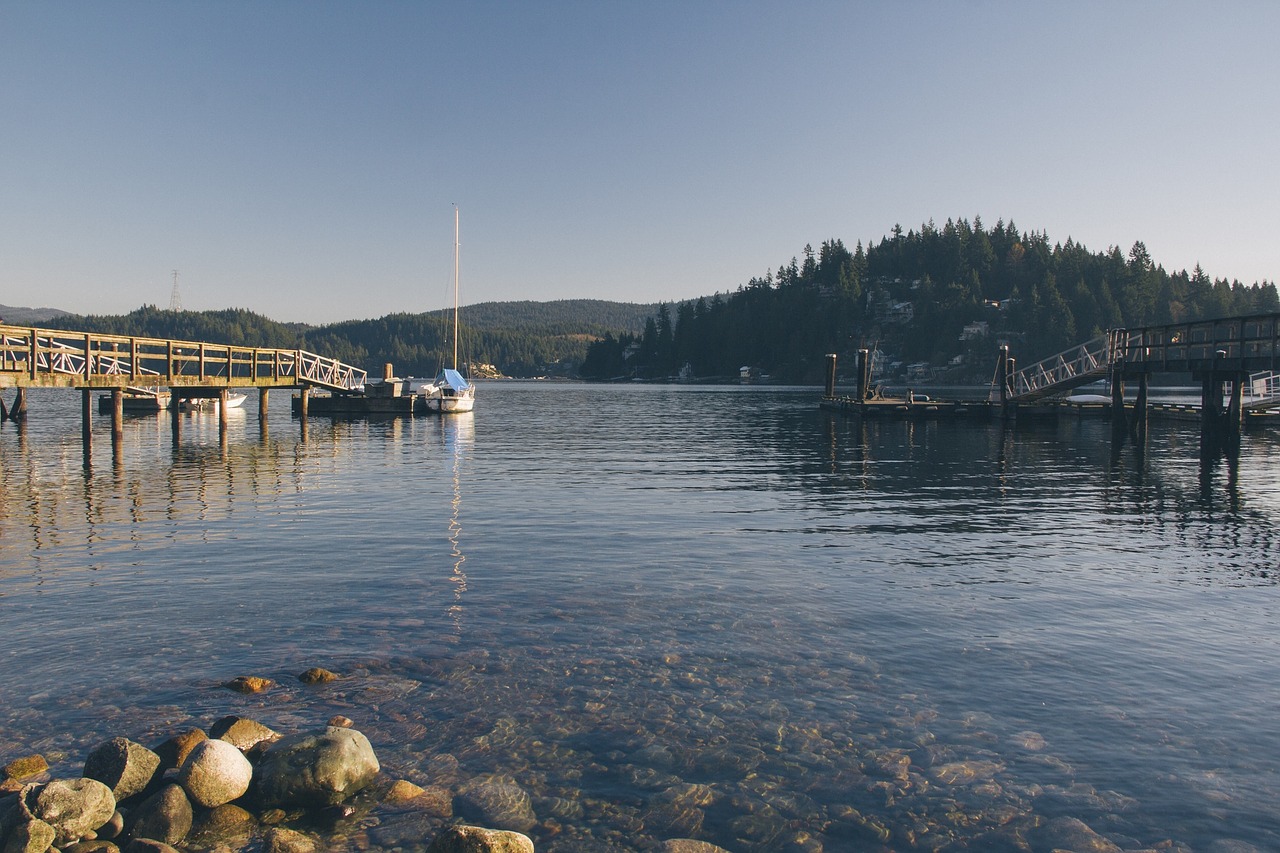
(1250, 343)
(45, 357)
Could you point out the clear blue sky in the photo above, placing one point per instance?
(301, 159)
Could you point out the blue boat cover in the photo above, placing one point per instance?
(449, 378)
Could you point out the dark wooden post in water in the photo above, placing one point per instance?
(117, 414)
(1235, 409)
(303, 397)
(1002, 375)
(1119, 420)
(86, 416)
(262, 411)
(1008, 406)
(222, 414)
(864, 374)
(117, 426)
(1138, 423)
(175, 416)
(831, 375)
(1211, 420)
(18, 412)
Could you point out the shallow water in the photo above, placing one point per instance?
(901, 636)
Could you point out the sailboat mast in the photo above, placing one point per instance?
(456, 252)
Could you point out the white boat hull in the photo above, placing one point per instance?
(209, 404)
(451, 404)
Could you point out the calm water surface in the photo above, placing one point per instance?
(711, 613)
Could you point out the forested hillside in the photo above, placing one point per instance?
(520, 338)
(935, 303)
(560, 317)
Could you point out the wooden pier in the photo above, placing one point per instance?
(141, 367)
(1236, 358)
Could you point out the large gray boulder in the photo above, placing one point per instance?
(123, 766)
(476, 839)
(73, 807)
(215, 773)
(316, 769)
(164, 816)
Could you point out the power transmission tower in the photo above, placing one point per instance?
(175, 298)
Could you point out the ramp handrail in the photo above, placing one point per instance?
(1070, 368)
(1262, 390)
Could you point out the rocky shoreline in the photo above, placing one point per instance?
(241, 786)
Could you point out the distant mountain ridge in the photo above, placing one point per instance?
(16, 316)
(556, 317)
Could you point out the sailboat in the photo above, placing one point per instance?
(451, 392)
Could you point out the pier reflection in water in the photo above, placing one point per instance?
(714, 613)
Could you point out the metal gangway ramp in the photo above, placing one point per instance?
(1069, 369)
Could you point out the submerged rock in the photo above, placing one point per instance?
(475, 839)
(97, 845)
(248, 684)
(1068, 833)
(25, 767)
(689, 845)
(281, 840)
(316, 768)
(123, 766)
(215, 773)
(496, 801)
(149, 845)
(317, 675)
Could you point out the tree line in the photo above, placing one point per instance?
(542, 341)
(944, 298)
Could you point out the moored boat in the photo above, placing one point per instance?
(451, 392)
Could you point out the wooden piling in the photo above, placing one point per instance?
(831, 375)
(1008, 406)
(175, 417)
(86, 416)
(262, 412)
(4, 411)
(1211, 397)
(1119, 419)
(19, 410)
(222, 412)
(864, 371)
(1235, 409)
(117, 414)
(1138, 423)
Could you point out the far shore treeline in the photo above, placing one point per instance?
(522, 339)
(934, 304)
